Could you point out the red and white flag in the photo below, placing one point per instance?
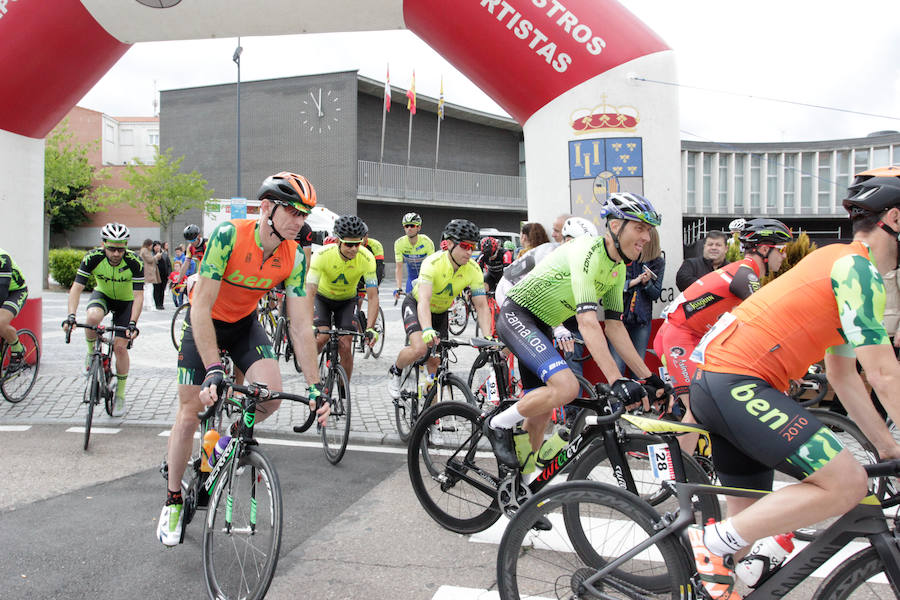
(387, 90)
(411, 96)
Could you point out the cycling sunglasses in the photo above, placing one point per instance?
(351, 244)
(467, 246)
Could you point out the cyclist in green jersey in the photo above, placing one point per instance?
(13, 294)
(411, 249)
(119, 274)
(568, 282)
(334, 274)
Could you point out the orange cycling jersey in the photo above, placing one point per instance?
(832, 300)
(698, 306)
(234, 256)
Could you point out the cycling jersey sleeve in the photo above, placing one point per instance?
(370, 275)
(136, 266)
(744, 282)
(398, 250)
(90, 262)
(6, 273)
(315, 268)
(218, 251)
(295, 284)
(859, 292)
(476, 283)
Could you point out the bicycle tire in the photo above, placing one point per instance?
(459, 316)
(406, 407)
(336, 433)
(532, 564)
(92, 391)
(449, 388)
(853, 439)
(854, 574)
(294, 357)
(375, 351)
(477, 381)
(177, 326)
(110, 383)
(15, 386)
(462, 445)
(227, 575)
(278, 338)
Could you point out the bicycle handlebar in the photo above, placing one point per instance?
(886, 468)
(101, 329)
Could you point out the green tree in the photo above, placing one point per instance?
(161, 191)
(68, 181)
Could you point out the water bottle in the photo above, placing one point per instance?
(219, 449)
(766, 556)
(209, 443)
(551, 447)
(522, 444)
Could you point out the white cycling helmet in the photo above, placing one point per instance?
(114, 232)
(576, 227)
(737, 224)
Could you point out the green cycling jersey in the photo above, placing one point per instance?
(117, 282)
(11, 277)
(571, 279)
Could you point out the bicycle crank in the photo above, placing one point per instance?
(512, 493)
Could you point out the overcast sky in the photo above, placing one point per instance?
(830, 53)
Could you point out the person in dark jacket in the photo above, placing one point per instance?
(692, 269)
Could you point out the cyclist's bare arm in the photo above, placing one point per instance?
(881, 368)
(75, 296)
(595, 340)
(423, 307)
(621, 341)
(484, 313)
(300, 311)
(398, 272)
(372, 299)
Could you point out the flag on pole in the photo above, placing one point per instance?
(411, 96)
(441, 102)
(387, 90)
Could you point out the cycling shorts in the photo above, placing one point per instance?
(530, 339)
(440, 322)
(15, 300)
(245, 340)
(342, 312)
(673, 345)
(757, 428)
(121, 309)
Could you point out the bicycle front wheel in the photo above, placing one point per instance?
(459, 316)
(177, 326)
(375, 351)
(861, 576)
(91, 396)
(337, 432)
(546, 564)
(449, 388)
(15, 386)
(242, 534)
(451, 465)
(406, 407)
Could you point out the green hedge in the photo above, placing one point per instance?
(64, 264)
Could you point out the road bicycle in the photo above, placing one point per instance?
(494, 377)
(16, 383)
(176, 328)
(335, 385)
(461, 485)
(101, 380)
(420, 390)
(373, 351)
(282, 345)
(608, 544)
(241, 495)
(460, 311)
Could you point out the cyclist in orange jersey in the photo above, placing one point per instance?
(830, 303)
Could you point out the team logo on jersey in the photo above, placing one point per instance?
(341, 278)
(676, 351)
(447, 290)
(276, 262)
(408, 312)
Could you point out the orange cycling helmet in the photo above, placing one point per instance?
(891, 171)
(289, 189)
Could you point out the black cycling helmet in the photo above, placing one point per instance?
(191, 232)
(757, 232)
(872, 196)
(412, 218)
(889, 171)
(289, 189)
(350, 228)
(460, 230)
(489, 246)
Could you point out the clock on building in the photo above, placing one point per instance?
(321, 110)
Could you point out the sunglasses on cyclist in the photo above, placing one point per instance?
(467, 246)
(351, 244)
(116, 249)
(407, 225)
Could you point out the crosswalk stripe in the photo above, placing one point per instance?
(102, 430)
(303, 444)
(15, 427)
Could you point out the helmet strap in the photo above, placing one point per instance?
(896, 235)
(450, 253)
(272, 223)
(615, 239)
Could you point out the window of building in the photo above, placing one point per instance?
(707, 182)
(691, 181)
(723, 182)
(126, 137)
(772, 167)
(806, 187)
(825, 181)
(153, 138)
(789, 189)
(755, 183)
(842, 180)
(738, 183)
(881, 157)
(110, 133)
(860, 160)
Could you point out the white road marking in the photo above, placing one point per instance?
(15, 427)
(103, 430)
(303, 444)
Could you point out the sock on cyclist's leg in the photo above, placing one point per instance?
(722, 538)
(90, 344)
(173, 497)
(120, 385)
(508, 419)
(395, 370)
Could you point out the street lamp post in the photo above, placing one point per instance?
(236, 57)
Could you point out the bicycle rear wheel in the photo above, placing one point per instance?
(406, 407)
(860, 577)
(459, 315)
(242, 534)
(450, 465)
(15, 386)
(337, 432)
(545, 564)
(449, 388)
(177, 326)
(91, 396)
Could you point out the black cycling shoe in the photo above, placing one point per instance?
(542, 524)
(502, 442)
(16, 362)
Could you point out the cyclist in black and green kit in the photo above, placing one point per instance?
(12, 298)
(120, 288)
(569, 283)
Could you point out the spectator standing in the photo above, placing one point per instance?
(556, 232)
(533, 235)
(151, 272)
(692, 269)
(643, 287)
(165, 267)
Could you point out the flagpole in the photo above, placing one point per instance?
(408, 153)
(385, 106)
